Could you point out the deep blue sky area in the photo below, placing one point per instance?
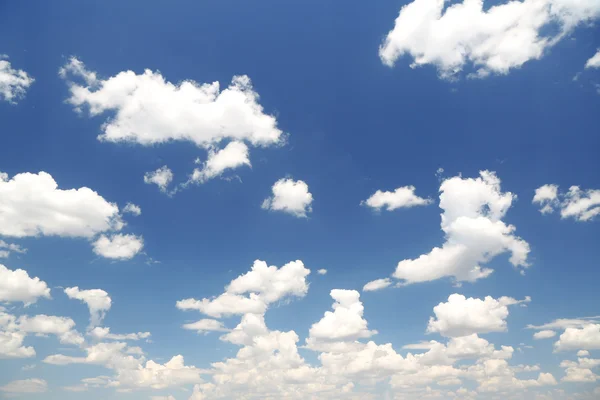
(354, 126)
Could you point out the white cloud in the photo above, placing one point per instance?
(585, 338)
(118, 246)
(232, 156)
(462, 316)
(546, 334)
(13, 82)
(495, 40)
(474, 230)
(34, 205)
(291, 197)
(7, 248)
(377, 284)
(162, 178)
(100, 333)
(580, 371)
(11, 346)
(322, 271)
(593, 62)
(61, 327)
(97, 300)
(402, 197)
(17, 286)
(25, 386)
(150, 110)
(564, 323)
(132, 209)
(206, 325)
(583, 353)
(264, 284)
(581, 205)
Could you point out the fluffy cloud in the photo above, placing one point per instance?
(593, 62)
(133, 209)
(322, 271)
(11, 345)
(581, 205)
(17, 286)
(402, 197)
(25, 386)
(264, 284)
(118, 246)
(580, 371)
(100, 333)
(232, 156)
(546, 334)
(377, 284)
(34, 205)
(61, 327)
(162, 178)
(149, 110)
(7, 248)
(97, 300)
(291, 197)
(462, 316)
(586, 338)
(13, 82)
(474, 230)
(496, 40)
(206, 325)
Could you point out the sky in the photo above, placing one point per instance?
(300, 200)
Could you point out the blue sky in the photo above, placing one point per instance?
(361, 133)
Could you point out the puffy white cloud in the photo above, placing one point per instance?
(264, 284)
(133, 209)
(462, 316)
(495, 40)
(150, 110)
(377, 284)
(322, 271)
(100, 333)
(153, 375)
(546, 334)
(291, 197)
(118, 246)
(206, 325)
(232, 156)
(581, 205)
(18, 286)
(97, 300)
(580, 371)
(25, 386)
(345, 323)
(586, 338)
(162, 178)
(7, 248)
(475, 233)
(42, 324)
(34, 205)
(402, 197)
(11, 345)
(593, 62)
(13, 82)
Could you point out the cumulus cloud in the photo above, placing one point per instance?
(402, 197)
(593, 62)
(162, 178)
(206, 325)
(118, 246)
(291, 197)
(232, 156)
(13, 82)
(150, 110)
(264, 285)
(546, 334)
(11, 345)
(322, 271)
(61, 327)
(580, 371)
(25, 386)
(17, 286)
(133, 209)
(100, 333)
(581, 205)
(493, 41)
(462, 316)
(377, 284)
(586, 337)
(473, 210)
(97, 300)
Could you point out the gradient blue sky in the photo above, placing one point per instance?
(354, 126)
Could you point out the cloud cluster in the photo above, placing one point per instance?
(493, 40)
(581, 205)
(13, 82)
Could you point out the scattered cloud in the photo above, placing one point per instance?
(586, 337)
(206, 325)
(581, 205)
(498, 39)
(162, 178)
(547, 334)
(97, 300)
(13, 82)
(7, 248)
(402, 197)
(100, 333)
(118, 246)
(232, 156)
(17, 286)
(377, 284)
(593, 62)
(291, 197)
(25, 386)
(322, 271)
(133, 209)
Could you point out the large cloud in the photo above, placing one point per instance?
(18, 286)
(494, 40)
(13, 82)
